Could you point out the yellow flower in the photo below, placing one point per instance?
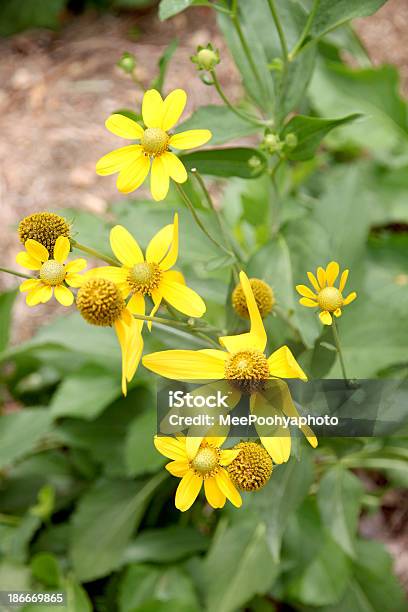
(139, 276)
(204, 465)
(327, 297)
(133, 162)
(53, 273)
(243, 364)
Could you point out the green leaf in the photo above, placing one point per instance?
(243, 162)
(165, 545)
(237, 567)
(309, 132)
(169, 8)
(141, 455)
(222, 122)
(86, 393)
(15, 540)
(103, 524)
(17, 15)
(21, 431)
(339, 500)
(77, 597)
(330, 14)
(163, 64)
(6, 304)
(45, 568)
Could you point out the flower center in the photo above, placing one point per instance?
(52, 272)
(155, 141)
(144, 277)
(330, 299)
(252, 468)
(206, 461)
(100, 302)
(247, 371)
(45, 228)
(263, 294)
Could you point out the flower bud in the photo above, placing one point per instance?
(206, 58)
(127, 62)
(291, 140)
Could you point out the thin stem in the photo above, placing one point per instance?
(244, 44)
(232, 108)
(14, 273)
(306, 30)
(184, 325)
(281, 33)
(197, 219)
(94, 253)
(338, 346)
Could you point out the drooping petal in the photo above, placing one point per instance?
(343, 280)
(171, 257)
(188, 490)
(172, 109)
(321, 277)
(119, 158)
(152, 109)
(61, 249)
(133, 175)
(278, 447)
(283, 364)
(227, 487)
(29, 284)
(36, 250)
(124, 127)
(171, 448)
(308, 302)
(125, 247)
(181, 297)
(133, 346)
(313, 281)
(337, 312)
(157, 298)
(190, 139)
(214, 496)
(136, 304)
(305, 291)
(159, 245)
(76, 265)
(175, 167)
(332, 272)
(325, 317)
(185, 365)
(290, 410)
(63, 295)
(350, 298)
(159, 180)
(178, 468)
(27, 261)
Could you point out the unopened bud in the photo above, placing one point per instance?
(291, 140)
(206, 58)
(127, 62)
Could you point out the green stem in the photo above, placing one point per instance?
(338, 346)
(20, 274)
(183, 325)
(197, 219)
(244, 44)
(306, 30)
(94, 253)
(232, 108)
(281, 33)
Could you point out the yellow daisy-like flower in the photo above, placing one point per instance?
(54, 274)
(139, 276)
(133, 162)
(206, 464)
(242, 363)
(326, 296)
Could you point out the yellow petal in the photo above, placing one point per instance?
(278, 447)
(214, 496)
(290, 411)
(157, 298)
(136, 305)
(29, 284)
(159, 245)
(74, 280)
(27, 261)
(176, 276)
(185, 365)
(350, 298)
(343, 280)
(178, 468)
(133, 175)
(46, 293)
(181, 297)
(174, 167)
(192, 445)
(125, 247)
(187, 491)
(308, 302)
(305, 291)
(113, 273)
(228, 456)
(321, 277)
(124, 127)
(337, 312)
(152, 109)
(172, 109)
(171, 448)
(34, 295)
(283, 364)
(190, 139)
(61, 249)
(227, 487)
(159, 180)
(63, 295)
(332, 272)
(325, 317)
(313, 281)
(36, 250)
(171, 257)
(76, 265)
(120, 329)
(133, 347)
(116, 160)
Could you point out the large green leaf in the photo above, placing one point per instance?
(103, 524)
(6, 305)
(222, 122)
(21, 431)
(309, 132)
(17, 15)
(165, 545)
(243, 162)
(169, 8)
(238, 566)
(330, 14)
(141, 455)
